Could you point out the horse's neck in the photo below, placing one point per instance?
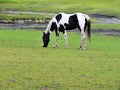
(48, 27)
(47, 31)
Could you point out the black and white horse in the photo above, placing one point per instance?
(63, 22)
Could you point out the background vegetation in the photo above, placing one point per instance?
(104, 7)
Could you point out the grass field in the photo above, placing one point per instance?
(25, 65)
(107, 7)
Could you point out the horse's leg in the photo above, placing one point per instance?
(83, 40)
(66, 41)
(56, 41)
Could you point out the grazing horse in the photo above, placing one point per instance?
(63, 22)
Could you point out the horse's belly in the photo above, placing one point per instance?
(70, 26)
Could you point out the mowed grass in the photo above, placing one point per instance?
(107, 7)
(26, 65)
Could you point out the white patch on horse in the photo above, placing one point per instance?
(64, 19)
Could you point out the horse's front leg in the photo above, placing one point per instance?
(57, 36)
(66, 41)
(56, 42)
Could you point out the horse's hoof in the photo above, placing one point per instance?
(67, 47)
(55, 46)
(81, 49)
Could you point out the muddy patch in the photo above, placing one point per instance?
(32, 13)
(108, 32)
(43, 26)
(33, 26)
(105, 19)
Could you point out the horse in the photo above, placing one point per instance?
(63, 22)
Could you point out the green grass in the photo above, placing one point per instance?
(90, 7)
(25, 65)
(24, 16)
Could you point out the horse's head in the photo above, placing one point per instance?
(46, 39)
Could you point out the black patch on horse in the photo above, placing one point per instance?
(72, 23)
(58, 17)
(61, 28)
(53, 26)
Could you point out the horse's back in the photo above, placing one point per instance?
(70, 20)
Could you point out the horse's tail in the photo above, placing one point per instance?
(88, 26)
(89, 30)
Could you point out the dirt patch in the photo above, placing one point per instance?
(109, 32)
(33, 13)
(102, 16)
(24, 26)
(105, 19)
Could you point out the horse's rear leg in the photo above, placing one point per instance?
(83, 41)
(66, 41)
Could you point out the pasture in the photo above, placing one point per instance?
(26, 65)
